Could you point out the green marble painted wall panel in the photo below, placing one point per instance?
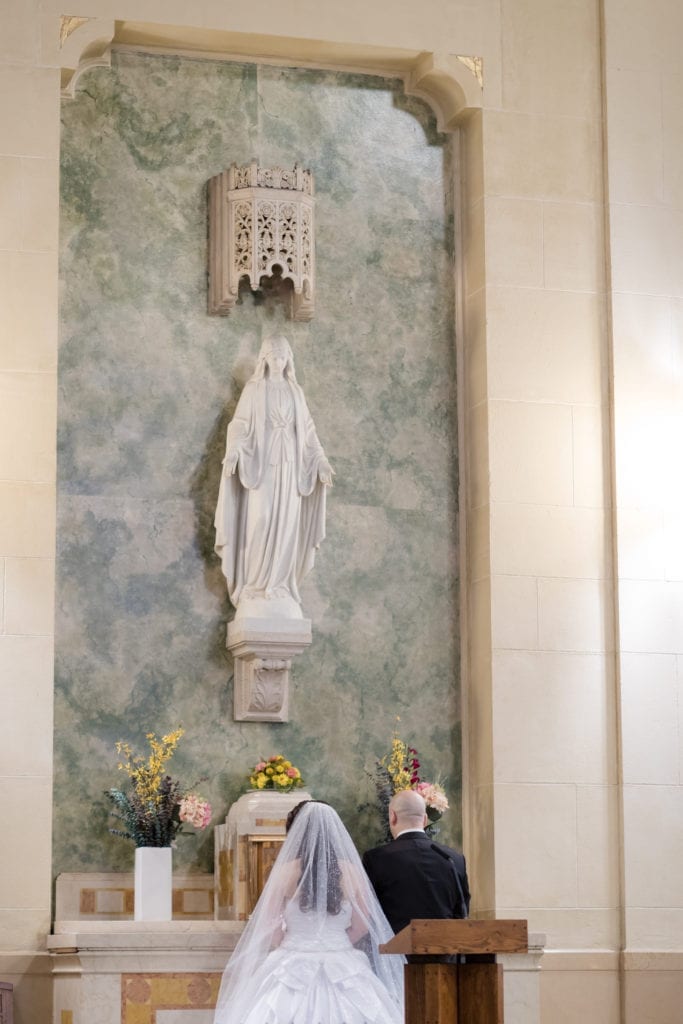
(147, 384)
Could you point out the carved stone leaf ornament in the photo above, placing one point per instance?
(260, 219)
(268, 691)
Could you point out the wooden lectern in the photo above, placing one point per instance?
(467, 992)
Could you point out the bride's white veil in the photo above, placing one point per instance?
(319, 868)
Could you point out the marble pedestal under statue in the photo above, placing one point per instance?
(246, 846)
(263, 650)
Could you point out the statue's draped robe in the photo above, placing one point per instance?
(270, 516)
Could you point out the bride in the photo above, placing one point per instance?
(309, 954)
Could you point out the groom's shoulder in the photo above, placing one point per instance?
(448, 851)
(378, 851)
(393, 847)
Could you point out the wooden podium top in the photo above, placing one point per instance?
(456, 936)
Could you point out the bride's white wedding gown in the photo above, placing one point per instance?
(315, 976)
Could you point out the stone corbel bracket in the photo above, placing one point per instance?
(451, 85)
(262, 650)
(84, 43)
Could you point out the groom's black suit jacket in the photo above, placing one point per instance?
(414, 877)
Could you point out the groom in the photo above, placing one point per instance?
(413, 876)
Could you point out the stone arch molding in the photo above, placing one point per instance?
(84, 43)
(451, 84)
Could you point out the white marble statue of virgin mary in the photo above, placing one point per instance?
(270, 516)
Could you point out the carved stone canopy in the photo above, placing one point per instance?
(261, 224)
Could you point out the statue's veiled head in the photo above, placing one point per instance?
(277, 348)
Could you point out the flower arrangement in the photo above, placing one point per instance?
(399, 770)
(275, 772)
(156, 809)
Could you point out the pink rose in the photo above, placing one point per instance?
(292, 772)
(433, 795)
(195, 811)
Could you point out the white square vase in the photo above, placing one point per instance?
(153, 883)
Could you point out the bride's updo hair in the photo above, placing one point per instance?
(292, 816)
(318, 858)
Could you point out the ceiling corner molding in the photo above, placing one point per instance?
(68, 23)
(84, 43)
(451, 85)
(475, 65)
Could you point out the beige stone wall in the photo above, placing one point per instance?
(543, 822)
(29, 162)
(29, 154)
(644, 94)
(574, 809)
(540, 590)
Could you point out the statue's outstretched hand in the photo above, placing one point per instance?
(325, 473)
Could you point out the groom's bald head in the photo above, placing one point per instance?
(406, 810)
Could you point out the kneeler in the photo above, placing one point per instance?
(467, 992)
